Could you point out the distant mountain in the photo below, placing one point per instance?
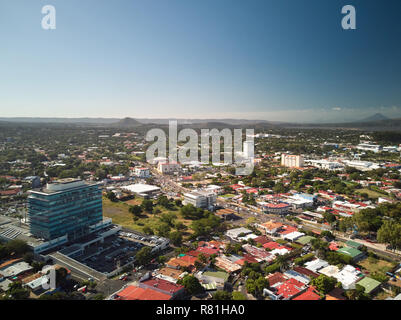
(375, 117)
(388, 124)
(127, 122)
(376, 122)
(196, 121)
(60, 120)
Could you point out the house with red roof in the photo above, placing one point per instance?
(262, 240)
(290, 289)
(248, 258)
(276, 279)
(172, 289)
(137, 293)
(10, 193)
(309, 294)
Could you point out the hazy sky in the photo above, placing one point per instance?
(284, 60)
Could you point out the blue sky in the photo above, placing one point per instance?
(280, 60)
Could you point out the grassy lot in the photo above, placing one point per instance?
(371, 265)
(371, 194)
(228, 195)
(118, 211)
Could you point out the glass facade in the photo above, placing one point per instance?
(69, 211)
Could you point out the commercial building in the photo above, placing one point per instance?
(362, 165)
(369, 147)
(325, 164)
(168, 167)
(200, 199)
(292, 161)
(142, 172)
(145, 190)
(276, 208)
(237, 232)
(64, 207)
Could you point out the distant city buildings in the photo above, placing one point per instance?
(325, 164)
(369, 147)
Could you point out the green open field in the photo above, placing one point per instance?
(118, 211)
(371, 194)
(228, 195)
(376, 265)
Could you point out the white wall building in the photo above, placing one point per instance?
(292, 161)
(200, 199)
(142, 172)
(168, 167)
(369, 147)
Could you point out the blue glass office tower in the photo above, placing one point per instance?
(65, 207)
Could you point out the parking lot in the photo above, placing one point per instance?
(114, 252)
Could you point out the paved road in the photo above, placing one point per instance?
(76, 267)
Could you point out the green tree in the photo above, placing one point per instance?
(390, 232)
(222, 295)
(147, 205)
(324, 284)
(176, 238)
(17, 292)
(135, 210)
(163, 229)
(191, 284)
(238, 296)
(148, 230)
(144, 256)
(111, 196)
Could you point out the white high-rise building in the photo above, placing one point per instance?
(292, 161)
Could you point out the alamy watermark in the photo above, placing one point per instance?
(348, 22)
(48, 278)
(234, 150)
(49, 20)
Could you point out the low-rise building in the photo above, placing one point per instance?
(200, 199)
(142, 189)
(276, 208)
(168, 167)
(237, 232)
(142, 173)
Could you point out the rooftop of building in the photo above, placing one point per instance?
(60, 185)
(137, 293)
(162, 285)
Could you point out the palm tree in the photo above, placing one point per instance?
(282, 261)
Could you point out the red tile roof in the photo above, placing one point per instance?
(271, 245)
(306, 272)
(290, 288)
(262, 240)
(208, 250)
(308, 295)
(276, 277)
(288, 229)
(162, 285)
(136, 293)
(11, 192)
